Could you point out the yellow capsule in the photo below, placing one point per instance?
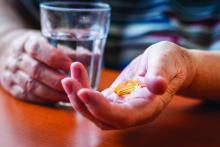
(127, 87)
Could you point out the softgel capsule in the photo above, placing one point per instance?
(127, 87)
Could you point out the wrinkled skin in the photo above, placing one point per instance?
(163, 69)
(32, 70)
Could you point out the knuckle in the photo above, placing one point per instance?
(6, 78)
(165, 43)
(164, 50)
(17, 91)
(36, 70)
(31, 66)
(32, 47)
(5, 84)
(10, 65)
(56, 82)
(54, 56)
(20, 95)
(30, 85)
(21, 78)
(17, 47)
(24, 81)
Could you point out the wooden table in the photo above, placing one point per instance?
(185, 122)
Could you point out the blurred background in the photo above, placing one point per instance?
(136, 24)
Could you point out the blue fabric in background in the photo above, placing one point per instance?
(136, 24)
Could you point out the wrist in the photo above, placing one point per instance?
(191, 63)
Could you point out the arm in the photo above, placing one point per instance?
(164, 69)
(206, 81)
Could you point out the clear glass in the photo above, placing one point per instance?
(80, 26)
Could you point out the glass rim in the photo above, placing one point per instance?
(54, 6)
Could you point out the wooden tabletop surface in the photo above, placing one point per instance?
(185, 122)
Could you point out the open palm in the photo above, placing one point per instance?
(161, 71)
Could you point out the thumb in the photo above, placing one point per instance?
(160, 71)
(156, 84)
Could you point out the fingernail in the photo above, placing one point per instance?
(67, 86)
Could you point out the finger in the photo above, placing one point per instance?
(71, 87)
(156, 84)
(41, 50)
(80, 54)
(17, 91)
(70, 52)
(8, 84)
(83, 55)
(11, 65)
(160, 69)
(6, 80)
(79, 73)
(21, 94)
(18, 45)
(40, 72)
(37, 88)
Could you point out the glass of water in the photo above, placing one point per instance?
(81, 27)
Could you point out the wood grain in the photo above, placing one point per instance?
(186, 122)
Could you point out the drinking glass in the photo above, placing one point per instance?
(81, 27)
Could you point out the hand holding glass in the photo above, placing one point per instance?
(82, 27)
